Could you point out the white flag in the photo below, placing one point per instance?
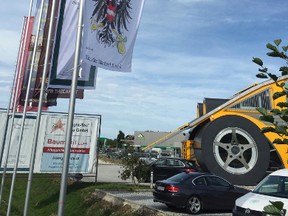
(110, 29)
(64, 49)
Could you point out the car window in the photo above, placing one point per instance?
(216, 181)
(178, 163)
(160, 163)
(200, 181)
(170, 162)
(181, 177)
(273, 186)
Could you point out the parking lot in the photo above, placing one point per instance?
(146, 198)
(110, 173)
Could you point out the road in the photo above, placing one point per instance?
(111, 172)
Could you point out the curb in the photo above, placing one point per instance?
(117, 201)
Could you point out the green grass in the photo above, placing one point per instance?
(45, 195)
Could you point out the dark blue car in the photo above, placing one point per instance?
(196, 191)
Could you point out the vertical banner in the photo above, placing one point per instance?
(21, 79)
(34, 91)
(64, 49)
(51, 93)
(110, 29)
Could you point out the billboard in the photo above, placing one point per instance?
(51, 143)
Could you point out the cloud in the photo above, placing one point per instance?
(185, 50)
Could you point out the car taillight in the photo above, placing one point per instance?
(172, 189)
(189, 170)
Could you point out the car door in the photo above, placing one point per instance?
(221, 194)
(175, 166)
(159, 169)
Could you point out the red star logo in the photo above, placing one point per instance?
(58, 125)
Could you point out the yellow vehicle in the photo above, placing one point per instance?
(225, 138)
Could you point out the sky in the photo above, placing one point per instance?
(185, 51)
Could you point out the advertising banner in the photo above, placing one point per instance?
(51, 143)
(54, 143)
(25, 153)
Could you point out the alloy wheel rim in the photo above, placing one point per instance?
(235, 150)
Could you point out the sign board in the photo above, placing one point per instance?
(51, 143)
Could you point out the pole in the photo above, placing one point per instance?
(7, 114)
(39, 111)
(97, 151)
(24, 112)
(65, 169)
(19, 68)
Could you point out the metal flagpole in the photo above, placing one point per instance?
(8, 113)
(11, 93)
(97, 151)
(69, 128)
(39, 112)
(24, 112)
(19, 68)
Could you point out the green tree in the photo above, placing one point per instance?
(120, 137)
(275, 208)
(280, 128)
(133, 167)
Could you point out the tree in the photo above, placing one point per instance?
(120, 137)
(276, 208)
(279, 128)
(133, 167)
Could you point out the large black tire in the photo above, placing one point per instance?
(234, 148)
(194, 205)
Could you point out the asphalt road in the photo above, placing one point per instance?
(111, 172)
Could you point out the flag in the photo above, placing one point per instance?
(64, 48)
(110, 29)
(22, 73)
(50, 93)
(34, 91)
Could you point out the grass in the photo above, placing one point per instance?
(45, 195)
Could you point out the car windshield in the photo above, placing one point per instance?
(179, 177)
(273, 186)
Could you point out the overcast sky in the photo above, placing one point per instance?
(185, 50)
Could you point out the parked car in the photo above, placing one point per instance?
(164, 168)
(273, 187)
(196, 191)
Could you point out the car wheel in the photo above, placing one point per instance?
(234, 148)
(194, 205)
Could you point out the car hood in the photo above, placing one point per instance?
(257, 202)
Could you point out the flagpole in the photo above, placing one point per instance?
(69, 128)
(8, 112)
(39, 112)
(16, 94)
(25, 110)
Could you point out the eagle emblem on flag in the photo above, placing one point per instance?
(109, 20)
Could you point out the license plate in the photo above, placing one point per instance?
(160, 188)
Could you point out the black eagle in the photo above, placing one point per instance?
(112, 16)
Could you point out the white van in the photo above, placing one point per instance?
(273, 187)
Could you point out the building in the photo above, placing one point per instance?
(167, 147)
